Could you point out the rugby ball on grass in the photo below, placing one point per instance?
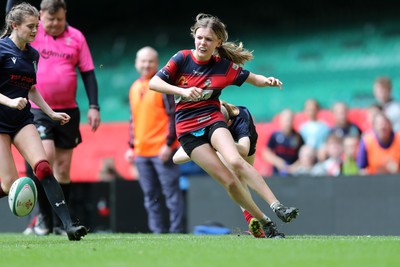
(22, 196)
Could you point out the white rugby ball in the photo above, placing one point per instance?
(22, 196)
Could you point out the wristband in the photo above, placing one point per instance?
(94, 107)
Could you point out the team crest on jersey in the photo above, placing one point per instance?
(67, 40)
(235, 66)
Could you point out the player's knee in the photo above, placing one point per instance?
(42, 169)
(236, 164)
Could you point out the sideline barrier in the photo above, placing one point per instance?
(351, 205)
(345, 205)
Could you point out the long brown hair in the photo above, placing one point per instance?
(228, 110)
(229, 50)
(17, 15)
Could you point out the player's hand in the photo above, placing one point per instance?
(18, 103)
(129, 155)
(271, 81)
(93, 119)
(392, 166)
(62, 117)
(192, 93)
(165, 153)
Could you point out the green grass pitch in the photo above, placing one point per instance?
(189, 250)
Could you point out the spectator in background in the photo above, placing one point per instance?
(153, 142)
(383, 95)
(313, 131)
(62, 49)
(372, 110)
(332, 165)
(349, 162)
(378, 151)
(343, 127)
(305, 163)
(283, 146)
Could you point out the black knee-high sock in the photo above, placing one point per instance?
(53, 191)
(66, 188)
(43, 203)
(56, 198)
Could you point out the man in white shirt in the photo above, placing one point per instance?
(383, 94)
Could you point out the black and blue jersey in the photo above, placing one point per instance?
(243, 126)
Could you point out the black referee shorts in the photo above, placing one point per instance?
(65, 136)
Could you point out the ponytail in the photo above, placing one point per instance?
(231, 110)
(235, 52)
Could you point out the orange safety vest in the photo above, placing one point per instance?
(378, 157)
(150, 121)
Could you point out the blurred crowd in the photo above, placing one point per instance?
(330, 143)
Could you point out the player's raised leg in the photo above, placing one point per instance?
(30, 146)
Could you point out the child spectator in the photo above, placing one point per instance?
(283, 146)
(305, 163)
(332, 165)
(349, 164)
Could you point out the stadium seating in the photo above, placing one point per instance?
(110, 141)
(327, 64)
(357, 116)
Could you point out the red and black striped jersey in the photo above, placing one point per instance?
(212, 76)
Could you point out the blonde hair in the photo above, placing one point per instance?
(17, 15)
(229, 50)
(228, 110)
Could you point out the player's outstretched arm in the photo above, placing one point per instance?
(262, 81)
